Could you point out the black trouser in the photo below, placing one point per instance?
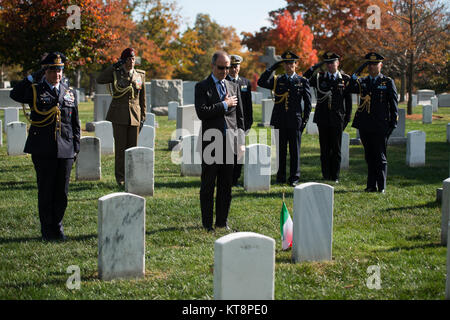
(330, 139)
(294, 138)
(223, 173)
(236, 170)
(53, 177)
(125, 137)
(375, 154)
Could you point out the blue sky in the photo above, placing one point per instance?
(243, 15)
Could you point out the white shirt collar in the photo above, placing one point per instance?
(294, 74)
(336, 75)
(53, 86)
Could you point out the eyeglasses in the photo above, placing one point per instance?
(223, 67)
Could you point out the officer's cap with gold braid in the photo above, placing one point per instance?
(235, 59)
(54, 60)
(330, 56)
(288, 56)
(374, 57)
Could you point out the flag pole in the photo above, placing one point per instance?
(283, 196)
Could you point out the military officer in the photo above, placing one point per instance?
(53, 139)
(375, 118)
(288, 118)
(127, 108)
(246, 94)
(332, 112)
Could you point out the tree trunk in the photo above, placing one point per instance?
(410, 82)
(402, 86)
(78, 77)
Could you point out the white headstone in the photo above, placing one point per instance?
(414, 100)
(150, 119)
(257, 170)
(415, 148)
(101, 106)
(427, 114)
(104, 131)
(313, 222)
(267, 108)
(191, 160)
(447, 286)
(266, 93)
(11, 115)
(188, 92)
(244, 267)
(147, 137)
(434, 104)
(444, 100)
(187, 121)
(311, 127)
(354, 98)
(173, 105)
(139, 171)
(448, 132)
(425, 94)
(6, 101)
(121, 236)
(345, 150)
(16, 132)
(256, 97)
(88, 164)
(445, 210)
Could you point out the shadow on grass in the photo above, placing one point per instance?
(39, 239)
(178, 184)
(414, 247)
(170, 229)
(428, 205)
(17, 185)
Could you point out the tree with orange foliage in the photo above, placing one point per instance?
(288, 32)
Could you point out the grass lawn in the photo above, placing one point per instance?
(398, 231)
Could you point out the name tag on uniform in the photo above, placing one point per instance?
(381, 87)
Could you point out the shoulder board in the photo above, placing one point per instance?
(140, 71)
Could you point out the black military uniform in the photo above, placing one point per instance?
(53, 141)
(247, 105)
(332, 114)
(375, 119)
(287, 115)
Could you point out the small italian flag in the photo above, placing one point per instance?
(286, 227)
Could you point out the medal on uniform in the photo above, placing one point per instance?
(138, 83)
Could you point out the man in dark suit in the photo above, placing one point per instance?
(245, 88)
(218, 105)
(375, 118)
(332, 112)
(288, 118)
(53, 139)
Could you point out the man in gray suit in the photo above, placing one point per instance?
(218, 105)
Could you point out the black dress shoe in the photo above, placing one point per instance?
(382, 191)
(226, 227)
(295, 183)
(209, 229)
(370, 190)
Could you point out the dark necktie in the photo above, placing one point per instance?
(222, 90)
(55, 91)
